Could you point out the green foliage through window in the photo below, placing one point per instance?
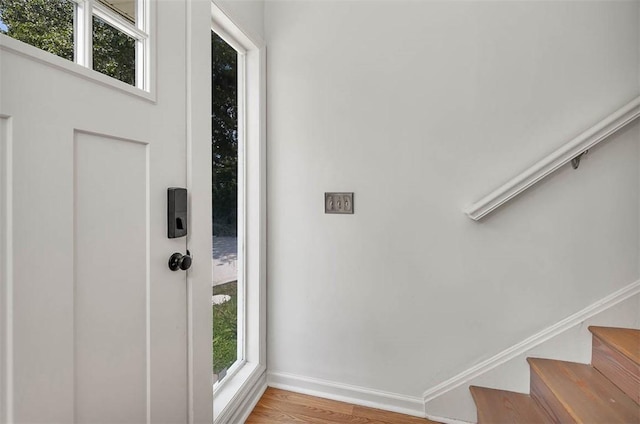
(225, 328)
(48, 25)
(224, 185)
(45, 24)
(114, 53)
(224, 142)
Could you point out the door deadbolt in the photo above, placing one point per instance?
(177, 212)
(179, 261)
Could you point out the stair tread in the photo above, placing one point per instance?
(585, 393)
(501, 406)
(624, 340)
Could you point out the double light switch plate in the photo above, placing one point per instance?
(341, 203)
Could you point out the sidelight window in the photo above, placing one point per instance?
(238, 159)
(227, 193)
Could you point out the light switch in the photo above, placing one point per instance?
(341, 203)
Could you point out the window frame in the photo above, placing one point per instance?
(85, 10)
(245, 381)
(82, 65)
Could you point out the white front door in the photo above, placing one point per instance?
(94, 325)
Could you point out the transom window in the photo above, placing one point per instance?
(109, 36)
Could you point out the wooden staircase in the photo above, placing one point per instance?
(605, 392)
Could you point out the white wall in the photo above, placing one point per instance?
(421, 108)
(246, 14)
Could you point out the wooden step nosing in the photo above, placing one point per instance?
(546, 402)
(616, 348)
(612, 345)
(491, 406)
(622, 371)
(558, 395)
(570, 411)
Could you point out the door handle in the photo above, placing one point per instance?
(179, 261)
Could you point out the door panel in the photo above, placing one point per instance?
(94, 324)
(111, 268)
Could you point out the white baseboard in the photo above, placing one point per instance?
(445, 420)
(417, 406)
(347, 393)
(466, 376)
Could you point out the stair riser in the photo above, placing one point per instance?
(619, 369)
(547, 400)
(481, 407)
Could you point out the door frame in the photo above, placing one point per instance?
(233, 400)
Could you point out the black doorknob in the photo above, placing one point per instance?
(179, 261)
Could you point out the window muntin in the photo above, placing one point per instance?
(113, 30)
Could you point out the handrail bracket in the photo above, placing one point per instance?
(575, 162)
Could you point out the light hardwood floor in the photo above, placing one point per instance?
(279, 406)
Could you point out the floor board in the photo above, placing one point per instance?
(280, 406)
